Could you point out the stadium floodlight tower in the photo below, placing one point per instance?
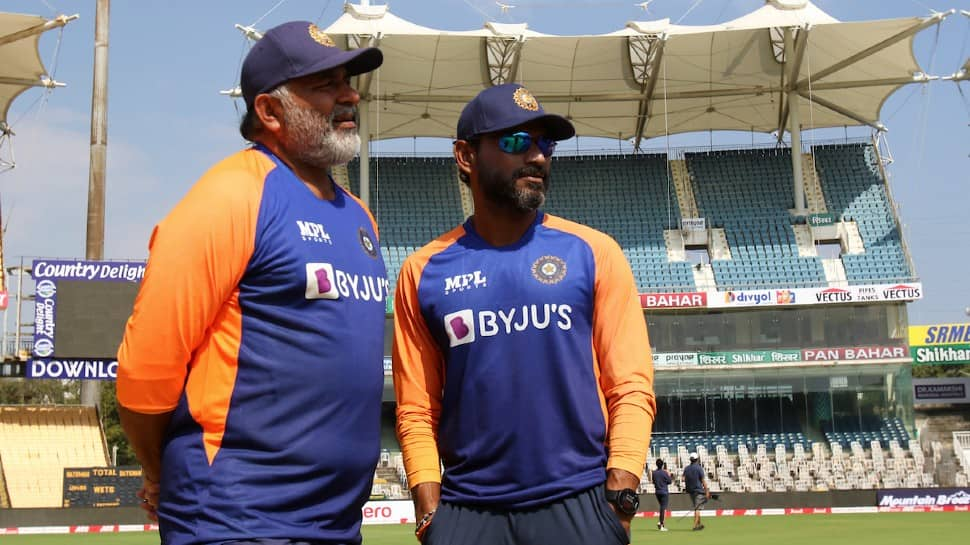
(21, 68)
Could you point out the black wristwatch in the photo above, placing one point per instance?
(626, 501)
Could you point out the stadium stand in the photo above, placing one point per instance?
(38, 442)
(855, 190)
(869, 430)
(417, 200)
(749, 193)
(635, 201)
(778, 468)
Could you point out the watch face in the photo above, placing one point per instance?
(628, 502)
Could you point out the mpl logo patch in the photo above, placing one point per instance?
(313, 232)
(549, 269)
(460, 327)
(366, 243)
(45, 289)
(465, 281)
(321, 282)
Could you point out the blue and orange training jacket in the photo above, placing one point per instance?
(527, 367)
(260, 324)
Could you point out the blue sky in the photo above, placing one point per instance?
(168, 123)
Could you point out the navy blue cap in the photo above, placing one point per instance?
(295, 49)
(505, 106)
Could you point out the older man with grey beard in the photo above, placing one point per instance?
(251, 370)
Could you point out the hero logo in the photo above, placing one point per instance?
(901, 292)
(313, 232)
(833, 295)
(464, 326)
(467, 281)
(325, 282)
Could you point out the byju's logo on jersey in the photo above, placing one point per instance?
(313, 232)
(460, 327)
(467, 281)
(321, 283)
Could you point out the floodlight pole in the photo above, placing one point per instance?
(795, 127)
(90, 390)
(796, 152)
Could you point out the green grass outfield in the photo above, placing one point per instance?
(856, 529)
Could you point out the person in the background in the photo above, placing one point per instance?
(250, 373)
(696, 485)
(521, 355)
(661, 480)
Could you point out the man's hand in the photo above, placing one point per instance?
(618, 479)
(149, 497)
(426, 498)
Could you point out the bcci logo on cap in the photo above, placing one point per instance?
(321, 37)
(524, 99)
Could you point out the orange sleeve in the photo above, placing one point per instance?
(197, 256)
(622, 349)
(418, 368)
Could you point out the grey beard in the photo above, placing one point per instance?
(312, 138)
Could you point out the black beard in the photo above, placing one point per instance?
(506, 193)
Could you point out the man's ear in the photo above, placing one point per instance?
(465, 156)
(269, 111)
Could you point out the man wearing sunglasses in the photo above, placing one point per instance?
(521, 360)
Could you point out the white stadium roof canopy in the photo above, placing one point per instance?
(20, 64)
(739, 75)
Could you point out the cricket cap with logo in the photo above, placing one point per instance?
(295, 49)
(505, 106)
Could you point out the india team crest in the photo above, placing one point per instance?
(321, 37)
(524, 99)
(549, 269)
(366, 243)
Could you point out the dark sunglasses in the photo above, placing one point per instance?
(520, 142)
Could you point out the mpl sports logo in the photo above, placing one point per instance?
(465, 326)
(465, 281)
(313, 232)
(902, 292)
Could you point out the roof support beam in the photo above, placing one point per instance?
(842, 111)
(640, 97)
(644, 111)
(928, 22)
(49, 83)
(57, 22)
(502, 56)
(792, 69)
